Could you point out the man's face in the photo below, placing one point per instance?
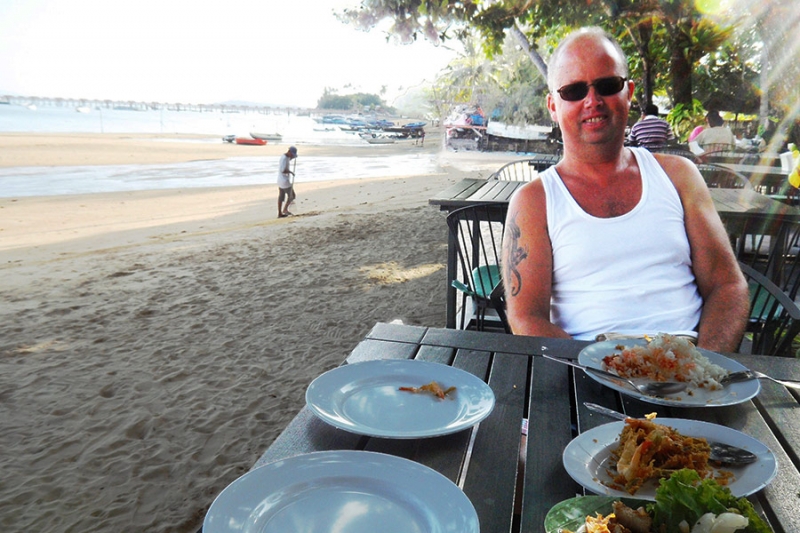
(594, 119)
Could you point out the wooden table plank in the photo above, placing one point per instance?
(462, 189)
(396, 332)
(546, 482)
(769, 177)
(305, 434)
(370, 349)
(491, 473)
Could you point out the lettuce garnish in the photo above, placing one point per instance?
(684, 496)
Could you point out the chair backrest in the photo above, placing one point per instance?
(720, 153)
(774, 317)
(675, 150)
(477, 232)
(773, 248)
(525, 169)
(720, 177)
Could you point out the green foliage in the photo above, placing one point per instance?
(508, 84)
(684, 118)
(331, 100)
(725, 67)
(668, 42)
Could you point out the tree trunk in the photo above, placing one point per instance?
(680, 70)
(643, 44)
(532, 53)
(763, 110)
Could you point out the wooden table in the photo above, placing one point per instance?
(739, 209)
(768, 179)
(485, 460)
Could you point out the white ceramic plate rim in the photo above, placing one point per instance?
(240, 507)
(735, 393)
(472, 393)
(585, 457)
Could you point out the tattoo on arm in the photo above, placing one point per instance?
(516, 254)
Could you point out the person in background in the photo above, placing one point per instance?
(652, 131)
(285, 182)
(615, 238)
(716, 132)
(695, 133)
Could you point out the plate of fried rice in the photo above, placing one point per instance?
(669, 358)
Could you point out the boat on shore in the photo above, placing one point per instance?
(275, 137)
(377, 139)
(250, 141)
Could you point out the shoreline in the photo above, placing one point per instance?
(77, 149)
(155, 343)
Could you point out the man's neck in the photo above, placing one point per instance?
(594, 159)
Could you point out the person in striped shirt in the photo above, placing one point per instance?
(651, 131)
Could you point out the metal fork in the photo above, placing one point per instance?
(745, 375)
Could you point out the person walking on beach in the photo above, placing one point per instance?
(286, 182)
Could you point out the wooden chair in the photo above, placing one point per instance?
(774, 317)
(478, 232)
(675, 150)
(717, 176)
(525, 169)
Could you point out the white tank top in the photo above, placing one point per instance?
(630, 274)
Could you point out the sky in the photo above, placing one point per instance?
(276, 52)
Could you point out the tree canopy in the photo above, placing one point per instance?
(330, 99)
(740, 58)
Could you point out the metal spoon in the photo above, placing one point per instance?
(720, 453)
(651, 388)
(745, 375)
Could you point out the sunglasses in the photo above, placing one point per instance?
(603, 86)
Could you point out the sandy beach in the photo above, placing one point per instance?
(154, 343)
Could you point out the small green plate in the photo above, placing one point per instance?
(571, 514)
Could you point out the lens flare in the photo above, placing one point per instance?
(711, 7)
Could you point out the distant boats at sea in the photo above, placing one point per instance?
(275, 127)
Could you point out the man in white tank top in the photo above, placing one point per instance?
(614, 239)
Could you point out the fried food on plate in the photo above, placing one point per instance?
(432, 387)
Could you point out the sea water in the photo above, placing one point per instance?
(295, 128)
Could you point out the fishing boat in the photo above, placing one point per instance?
(250, 141)
(377, 139)
(275, 137)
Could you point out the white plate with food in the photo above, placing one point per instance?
(354, 491)
(588, 458)
(703, 370)
(398, 398)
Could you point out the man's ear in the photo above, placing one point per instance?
(551, 106)
(631, 87)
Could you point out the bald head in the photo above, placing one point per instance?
(565, 48)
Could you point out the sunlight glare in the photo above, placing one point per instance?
(711, 7)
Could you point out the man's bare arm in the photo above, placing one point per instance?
(726, 301)
(527, 265)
